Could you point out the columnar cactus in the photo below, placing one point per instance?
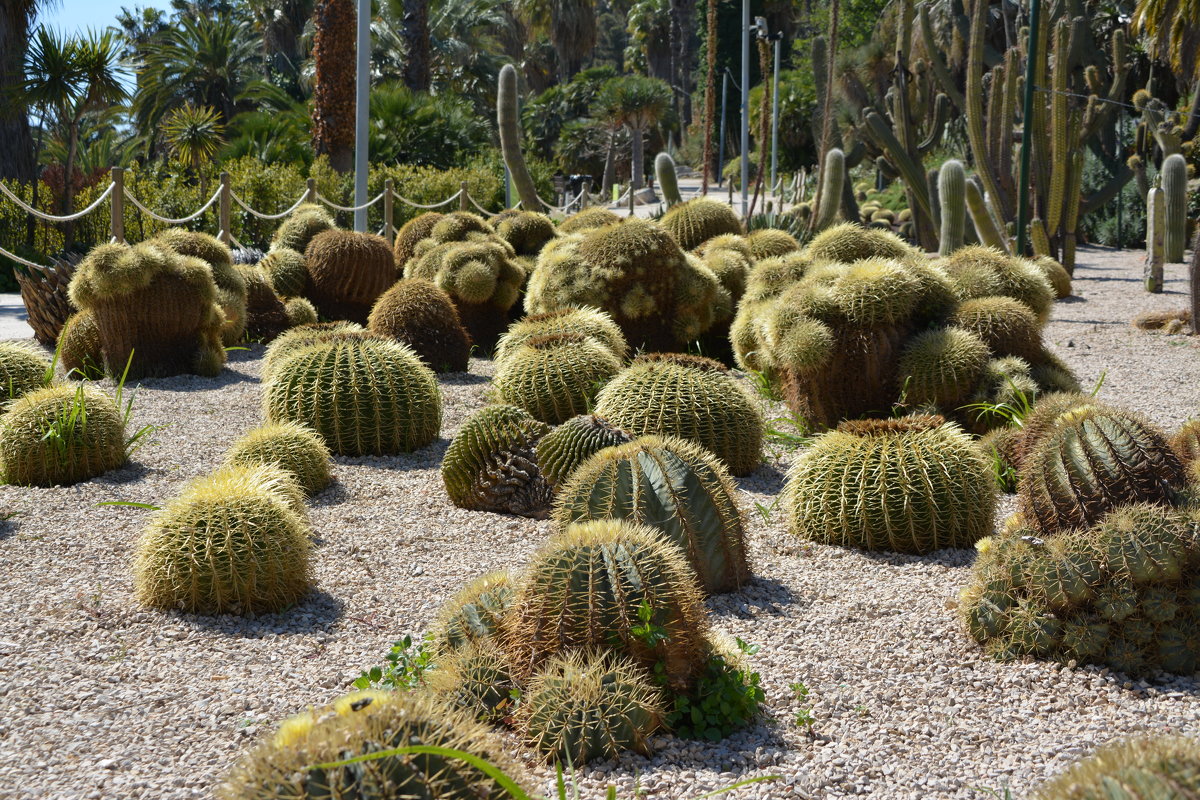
(952, 187)
(1175, 191)
(555, 377)
(23, 368)
(508, 117)
(231, 543)
(473, 615)
(347, 273)
(832, 178)
(422, 316)
(1142, 768)
(908, 485)
(587, 705)
(61, 435)
(589, 322)
(294, 448)
(491, 464)
(668, 179)
(673, 486)
(363, 397)
(585, 588)
(564, 449)
(689, 397)
(693, 223)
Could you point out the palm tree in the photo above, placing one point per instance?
(637, 103)
(1171, 29)
(571, 25)
(16, 144)
(416, 40)
(280, 24)
(195, 135)
(334, 47)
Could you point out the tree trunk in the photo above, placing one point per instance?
(710, 93)
(416, 40)
(334, 48)
(683, 29)
(1193, 121)
(610, 167)
(638, 163)
(16, 143)
(69, 182)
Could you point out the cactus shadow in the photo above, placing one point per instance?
(760, 596)
(9, 524)
(949, 557)
(767, 479)
(764, 738)
(319, 611)
(332, 495)
(196, 383)
(462, 379)
(132, 472)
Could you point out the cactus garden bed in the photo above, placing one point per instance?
(873, 686)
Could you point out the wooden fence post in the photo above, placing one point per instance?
(225, 210)
(389, 229)
(310, 193)
(463, 197)
(117, 203)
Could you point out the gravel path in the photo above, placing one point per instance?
(101, 699)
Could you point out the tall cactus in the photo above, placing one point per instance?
(1174, 186)
(668, 180)
(981, 215)
(951, 191)
(1156, 212)
(833, 176)
(508, 119)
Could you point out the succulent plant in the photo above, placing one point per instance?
(554, 377)
(1052, 373)
(22, 368)
(364, 397)
(1058, 276)
(561, 451)
(771, 243)
(300, 311)
(1174, 171)
(771, 276)
(313, 333)
(61, 435)
(295, 449)
(231, 287)
(589, 322)
(585, 588)
(951, 190)
(526, 231)
(347, 273)
(422, 316)
(940, 367)
(154, 305)
(476, 679)
(368, 722)
(1186, 442)
(674, 487)
(586, 705)
(848, 242)
(1041, 419)
(686, 397)
(1143, 768)
(999, 445)
(266, 315)
(1120, 593)
(295, 232)
(588, 219)
(634, 271)
(491, 464)
(1092, 460)
(668, 178)
(1005, 382)
(979, 271)
(410, 235)
(473, 615)
(693, 223)
(287, 270)
(79, 347)
(908, 485)
(231, 543)
(1008, 327)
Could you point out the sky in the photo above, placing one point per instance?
(74, 16)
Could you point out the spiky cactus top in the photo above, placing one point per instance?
(555, 377)
(474, 613)
(589, 322)
(491, 464)
(231, 287)
(23, 368)
(424, 317)
(347, 273)
(287, 270)
(410, 235)
(295, 232)
(637, 273)
(312, 333)
(909, 485)
(1143, 768)
(294, 448)
(527, 231)
(688, 397)
(847, 242)
(561, 451)
(770, 243)
(588, 219)
(693, 223)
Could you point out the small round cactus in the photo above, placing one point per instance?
(61, 435)
(231, 543)
(348, 272)
(299, 311)
(693, 223)
(771, 243)
(588, 219)
(587, 705)
(266, 316)
(908, 485)
(1147, 768)
(562, 450)
(526, 231)
(1186, 442)
(411, 233)
(476, 679)
(940, 367)
(294, 448)
(847, 242)
(287, 270)
(295, 232)
(585, 587)
(364, 397)
(1007, 326)
(555, 377)
(685, 398)
(473, 615)
(586, 321)
(419, 314)
(1059, 278)
(79, 347)
(369, 722)
(23, 368)
(491, 464)
(675, 487)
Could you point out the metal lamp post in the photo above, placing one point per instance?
(362, 113)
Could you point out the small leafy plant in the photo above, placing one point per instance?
(724, 699)
(405, 667)
(804, 717)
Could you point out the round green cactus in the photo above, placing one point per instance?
(1092, 460)
(588, 219)
(266, 316)
(589, 322)
(634, 271)
(370, 722)
(693, 223)
(908, 485)
(473, 615)
(364, 397)
(1000, 446)
(347, 273)
(491, 464)
(555, 377)
(294, 448)
(772, 276)
(562, 450)
(847, 242)
(940, 367)
(303, 336)
(79, 347)
(23, 368)
(1059, 278)
(1052, 374)
(287, 270)
(299, 312)
(585, 588)
(1005, 387)
(1147, 768)
(61, 435)
(231, 543)
(526, 231)
(1186, 442)
(979, 271)
(1007, 326)
(681, 397)
(587, 705)
(771, 243)
(295, 232)
(231, 287)
(411, 234)
(419, 314)
(476, 679)
(673, 486)
(1042, 417)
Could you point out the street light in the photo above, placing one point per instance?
(362, 113)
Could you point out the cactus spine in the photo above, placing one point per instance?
(668, 179)
(1156, 212)
(951, 187)
(508, 119)
(1174, 185)
(834, 175)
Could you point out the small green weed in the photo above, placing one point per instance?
(725, 699)
(405, 667)
(804, 717)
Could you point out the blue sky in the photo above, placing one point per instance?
(72, 16)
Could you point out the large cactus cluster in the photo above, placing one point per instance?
(231, 286)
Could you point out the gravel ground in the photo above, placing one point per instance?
(101, 699)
